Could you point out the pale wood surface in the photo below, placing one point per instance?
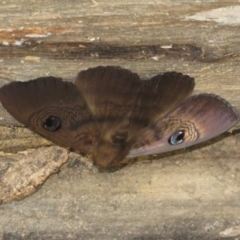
(189, 194)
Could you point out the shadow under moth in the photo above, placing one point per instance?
(109, 113)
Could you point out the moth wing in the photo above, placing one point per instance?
(123, 104)
(35, 102)
(198, 119)
(110, 91)
(163, 93)
(114, 92)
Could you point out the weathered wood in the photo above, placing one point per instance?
(188, 194)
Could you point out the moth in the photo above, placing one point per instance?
(109, 113)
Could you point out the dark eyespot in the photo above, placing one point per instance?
(176, 138)
(52, 124)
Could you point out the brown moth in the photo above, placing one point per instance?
(110, 113)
